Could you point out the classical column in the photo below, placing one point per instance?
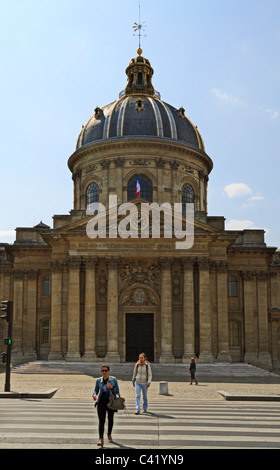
(174, 186)
(112, 311)
(73, 353)
(222, 308)
(274, 313)
(30, 350)
(119, 164)
(90, 310)
(105, 183)
(56, 312)
(264, 356)
(205, 354)
(250, 321)
(17, 352)
(166, 311)
(188, 305)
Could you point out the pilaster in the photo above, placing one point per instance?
(73, 353)
(205, 355)
(166, 355)
(188, 306)
(112, 311)
(90, 310)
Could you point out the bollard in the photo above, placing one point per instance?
(163, 388)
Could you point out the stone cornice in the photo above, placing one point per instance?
(137, 144)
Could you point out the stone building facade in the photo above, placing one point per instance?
(82, 299)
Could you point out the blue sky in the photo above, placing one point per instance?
(219, 59)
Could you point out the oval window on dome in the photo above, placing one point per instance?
(146, 188)
(92, 194)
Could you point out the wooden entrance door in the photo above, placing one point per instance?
(139, 336)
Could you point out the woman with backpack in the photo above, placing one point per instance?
(141, 380)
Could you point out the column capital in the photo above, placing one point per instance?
(165, 262)
(56, 266)
(187, 263)
(262, 275)
(222, 267)
(18, 274)
(74, 262)
(113, 262)
(204, 263)
(32, 275)
(91, 262)
(248, 275)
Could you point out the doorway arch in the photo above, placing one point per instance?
(139, 307)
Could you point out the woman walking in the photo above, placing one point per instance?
(104, 388)
(141, 380)
(192, 371)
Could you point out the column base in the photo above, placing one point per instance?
(55, 356)
(264, 360)
(251, 358)
(224, 357)
(30, 356)
(112, 357)
(89, 357)
(166, 359)
(206, 358)
(73, 357)
(17, 357)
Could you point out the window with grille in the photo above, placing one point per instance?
(232, 286)
(45, 332)
(47, 285)
(187, 196)
(92, 194)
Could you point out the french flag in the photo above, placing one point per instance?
(138, 186)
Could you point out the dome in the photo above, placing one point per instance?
(140, 113)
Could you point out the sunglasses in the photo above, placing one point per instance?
(104, 370)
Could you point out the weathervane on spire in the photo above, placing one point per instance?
(140, 27)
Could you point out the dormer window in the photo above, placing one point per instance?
(139, 104)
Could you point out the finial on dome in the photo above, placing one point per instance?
(139, 51)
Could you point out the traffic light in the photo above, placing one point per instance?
(4, 357)
(7, 307)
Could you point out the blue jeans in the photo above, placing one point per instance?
(144, 389)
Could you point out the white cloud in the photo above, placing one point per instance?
(237, 189)
(223, 96)
(7, 235)
(273, 113)
(256, 198)
(235, 224)
(240, 224)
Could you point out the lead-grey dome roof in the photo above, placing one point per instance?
(140, 113)
(140, 116)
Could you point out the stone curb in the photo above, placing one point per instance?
(49, 394)
(228, 397)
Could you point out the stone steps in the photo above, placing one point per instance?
(160, 371)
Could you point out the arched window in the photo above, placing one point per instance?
(146, 188)
(232, 286)
(92, 194)
(187, 196)
(47, 285)
(187, 193)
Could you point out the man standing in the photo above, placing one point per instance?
(141, 379)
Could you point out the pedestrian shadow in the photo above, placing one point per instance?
(158, 415)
